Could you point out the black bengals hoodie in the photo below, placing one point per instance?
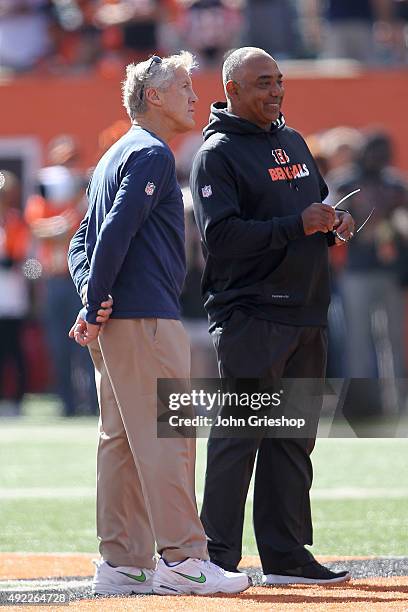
(249, 189)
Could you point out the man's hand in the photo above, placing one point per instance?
(344, 227)
(84, 333)
(104, 312)
(318, 218)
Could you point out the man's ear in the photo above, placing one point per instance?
(232, 88)
(152, 95)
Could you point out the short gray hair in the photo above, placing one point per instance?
(160, 75)
(235, 60)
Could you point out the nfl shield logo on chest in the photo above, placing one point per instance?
(206, 191)
(149, 189)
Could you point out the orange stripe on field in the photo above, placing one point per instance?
(30, 565)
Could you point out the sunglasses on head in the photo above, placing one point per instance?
(155, 59)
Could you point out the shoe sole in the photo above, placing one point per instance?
(276, 579)
(167, 589)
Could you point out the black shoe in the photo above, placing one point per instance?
(312, 573)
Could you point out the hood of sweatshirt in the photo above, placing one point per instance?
(224, 122)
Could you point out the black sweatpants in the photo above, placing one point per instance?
(255, 348)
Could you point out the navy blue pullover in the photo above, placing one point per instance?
(130, 244)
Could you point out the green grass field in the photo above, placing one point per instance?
(47, 489)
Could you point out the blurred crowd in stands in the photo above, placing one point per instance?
(73, 36)
(35, 285)
(38, 302)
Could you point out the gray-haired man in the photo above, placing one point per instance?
(131, 246)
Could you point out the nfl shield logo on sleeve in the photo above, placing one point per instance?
(149, 189)
(206, 191)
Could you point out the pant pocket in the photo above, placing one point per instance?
(151, 328)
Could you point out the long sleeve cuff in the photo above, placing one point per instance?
(291, 226)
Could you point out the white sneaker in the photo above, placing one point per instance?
(194, 576)
(122, 580)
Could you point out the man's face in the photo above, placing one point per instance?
(258, 93)
(178, 102)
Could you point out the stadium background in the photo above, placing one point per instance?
(72, 88)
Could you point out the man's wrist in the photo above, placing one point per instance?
(91, 315)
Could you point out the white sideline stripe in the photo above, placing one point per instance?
(52, 583)
(48, 493)
(90, 492)
(359, 493)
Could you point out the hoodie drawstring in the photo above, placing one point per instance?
(290, 181)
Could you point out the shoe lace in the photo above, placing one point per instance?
(213, 568)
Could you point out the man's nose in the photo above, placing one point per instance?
(193, 97)
(276, 90)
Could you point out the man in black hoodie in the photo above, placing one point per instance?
(257, 198)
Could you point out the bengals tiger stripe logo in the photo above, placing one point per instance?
(280, 156)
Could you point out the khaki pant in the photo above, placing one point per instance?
(145, 488)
